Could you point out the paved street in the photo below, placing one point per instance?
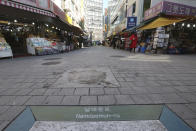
(131, 79)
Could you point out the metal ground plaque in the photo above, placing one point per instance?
(98, 118)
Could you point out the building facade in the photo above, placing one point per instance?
(94, 18)
(121, 9)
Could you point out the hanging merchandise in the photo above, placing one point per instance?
(5, 49)
(160, 40)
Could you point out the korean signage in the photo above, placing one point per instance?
(170, 8)
(44, 4)
(26, 8)
(28, 2)
(154, 11)
(131, 22)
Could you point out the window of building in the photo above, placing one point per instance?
(146, 5)
(134, 8)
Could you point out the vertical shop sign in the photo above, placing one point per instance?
(131, 22)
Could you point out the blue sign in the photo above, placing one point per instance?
(131, 22)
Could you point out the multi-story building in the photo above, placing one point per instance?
(121, 9)
(117, 16)
(94, 18)
(74, 10)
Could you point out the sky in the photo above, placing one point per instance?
(105, 4)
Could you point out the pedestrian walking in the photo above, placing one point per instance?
(134, 40)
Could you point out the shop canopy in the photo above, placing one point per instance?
(160, 22)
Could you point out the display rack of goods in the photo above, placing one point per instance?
(5, 49)
(161, 39)
(41, 46)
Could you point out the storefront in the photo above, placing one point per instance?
(172, 29)
(29, 30)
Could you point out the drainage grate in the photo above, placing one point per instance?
(51, 63)
(53, 59)
(117, 56)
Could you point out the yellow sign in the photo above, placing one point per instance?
(68, 18)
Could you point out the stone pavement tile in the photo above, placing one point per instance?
(38, 85)
(183, 89)
(23, 92)
(111, 91)
(124, 84)
(18, 100)
(39, 80)
(3, 109)
(6, 99)
(140, 90)
(36, 100)
(71, 100)
(52, 92)
(152, 83)
(88, 100)
(2, 90)
(106, 100)
(192, 123)
(166, 98)
(127, 91)
(182, 110)
(10, 92)
(189, 83)
(162, 89)
(81, 91)
(141, 99)
(53, 100)
(29, 80)
(121, 79)
(191, 97)
(25, 85)
(193, 88)
(173, 98)
(139, 83)
(192, 106)
(129, 79)
(38, 92)
(165, 83)
(11, 113)
(3, 124)
(66, 92)
(123, 99)
(96, 91)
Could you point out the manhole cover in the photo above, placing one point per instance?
(117, 56)
(53, 59)
(98, 118)
(51, 63)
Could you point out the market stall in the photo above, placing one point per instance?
(5, 49)
(172, 29)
